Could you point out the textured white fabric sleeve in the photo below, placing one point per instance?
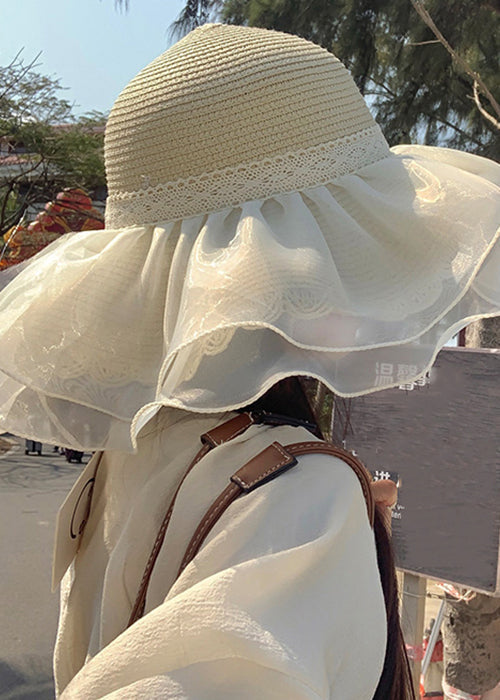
(283, 601)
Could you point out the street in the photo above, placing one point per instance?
(32, 488)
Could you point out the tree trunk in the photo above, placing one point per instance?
(471, 631)
(483, 334)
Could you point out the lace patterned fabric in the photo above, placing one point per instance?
(229, 187)
(358, 282)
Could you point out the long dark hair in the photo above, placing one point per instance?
(307, 400)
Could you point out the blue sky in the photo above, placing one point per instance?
(90, 46)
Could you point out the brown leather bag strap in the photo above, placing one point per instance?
(140, 600)
(217, 436)
(228, 430)
(364, 476)
(262, 468)
(268, 464)
(265, 466)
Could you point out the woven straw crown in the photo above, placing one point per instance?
(206, 124)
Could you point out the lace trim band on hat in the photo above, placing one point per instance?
(232, 186)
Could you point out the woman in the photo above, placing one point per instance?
(258, 228)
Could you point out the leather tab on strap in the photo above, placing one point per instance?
(228, 430)
(264, 467)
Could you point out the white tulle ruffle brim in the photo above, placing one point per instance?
(358, 282)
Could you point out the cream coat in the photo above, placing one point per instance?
(283, 600)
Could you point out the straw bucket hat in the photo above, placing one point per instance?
(258, 226)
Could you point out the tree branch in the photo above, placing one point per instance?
(32, 168)
(422, 43)
(460, 131)
(5, 200)
(462, 63)
(17, 64)
(486, 115)
(387, 90)
(491, 7)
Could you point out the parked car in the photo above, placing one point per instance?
(32, 446)
(73, 455)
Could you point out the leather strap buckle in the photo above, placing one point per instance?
(228, 430)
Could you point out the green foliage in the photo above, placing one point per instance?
(193, 14)
(28, 96)
(409, 79)
(78, 153)
(54, 149)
